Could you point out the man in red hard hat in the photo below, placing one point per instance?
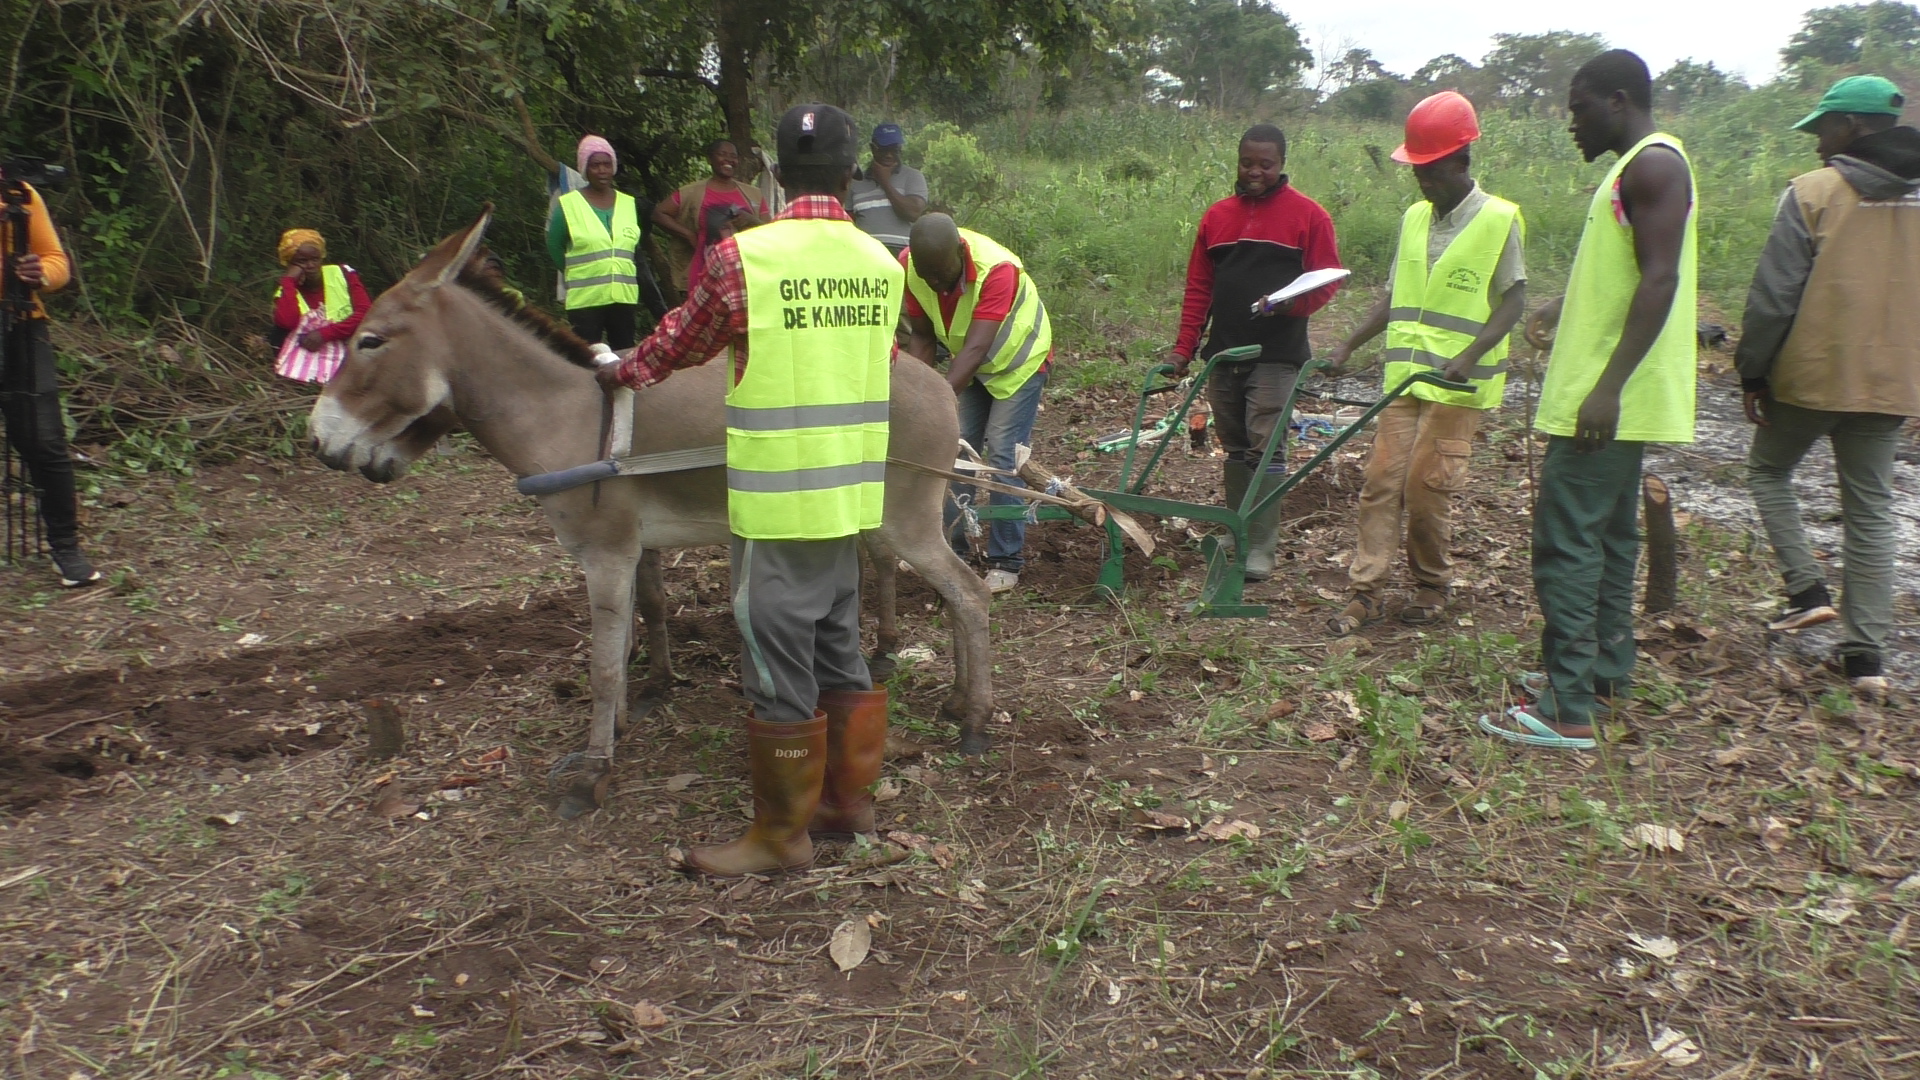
(1457, 288)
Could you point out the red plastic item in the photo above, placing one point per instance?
(1436, 127)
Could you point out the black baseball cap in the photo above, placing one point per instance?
(816, 135)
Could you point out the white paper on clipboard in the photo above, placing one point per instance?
(1305, 283)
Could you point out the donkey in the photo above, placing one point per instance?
(441, 347)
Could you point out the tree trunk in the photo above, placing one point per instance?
(1663, 555)
(736, 49)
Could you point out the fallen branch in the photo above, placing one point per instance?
(1084, 506)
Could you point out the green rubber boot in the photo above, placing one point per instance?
(1263, 531)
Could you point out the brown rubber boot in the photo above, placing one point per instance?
(856, 746)
(787, 764)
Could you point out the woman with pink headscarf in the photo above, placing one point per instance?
(594, 237)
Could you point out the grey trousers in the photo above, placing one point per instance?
(797, 603)
(1249, 400)
(1863, 449)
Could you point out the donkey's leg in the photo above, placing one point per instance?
(582, 779)
(886, 572)
(917, 539)
(651, 594)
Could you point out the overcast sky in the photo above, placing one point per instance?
(1743, 37)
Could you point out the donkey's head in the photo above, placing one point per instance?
(392, 398)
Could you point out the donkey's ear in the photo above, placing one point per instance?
(451, 255)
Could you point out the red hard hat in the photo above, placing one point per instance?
(1437, 127)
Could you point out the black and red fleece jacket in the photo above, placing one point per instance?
(1246, 248)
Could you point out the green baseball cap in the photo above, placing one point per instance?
(1867, 95)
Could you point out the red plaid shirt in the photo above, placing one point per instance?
(715, 314)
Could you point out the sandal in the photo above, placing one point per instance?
(1428, 605)
(1361, 609)
(1534, 685)
(1534, 731)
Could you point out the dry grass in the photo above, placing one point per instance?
(1420, 902)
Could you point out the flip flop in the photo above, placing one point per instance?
(1534, 685)
(1536, 732)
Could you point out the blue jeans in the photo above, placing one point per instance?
(994, 427)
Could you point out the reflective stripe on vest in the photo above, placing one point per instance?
(807, 422)
(1437, 313)
(600, 261)
(1657, 403)
(336, 299)
(1026, 335)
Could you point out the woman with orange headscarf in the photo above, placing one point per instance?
(319, 306)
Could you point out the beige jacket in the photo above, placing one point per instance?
(1853, 340)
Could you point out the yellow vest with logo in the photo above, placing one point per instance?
(336, 299)
(1025, 337)
(1657, 403)
(1436, 314)
(600, 262)
(807, 422)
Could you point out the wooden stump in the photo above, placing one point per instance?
(1663, 551)
(386, 731)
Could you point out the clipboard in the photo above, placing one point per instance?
(1305, 283)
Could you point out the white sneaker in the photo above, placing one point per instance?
(1871, 688)
(999, 581)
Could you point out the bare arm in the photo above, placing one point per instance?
(1370, 327)
(973, 353)
(1499, 324)
(908, 207)
(671, 222)
(920, 341)
(1658, 193)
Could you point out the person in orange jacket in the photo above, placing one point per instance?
(29, 391)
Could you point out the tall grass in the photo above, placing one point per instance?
(1102, 205)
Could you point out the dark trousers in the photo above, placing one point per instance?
(612, 323)
(797, 603)
(30, 404)
(1249, 400)
(1586, 541)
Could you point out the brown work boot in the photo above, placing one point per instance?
(856, 745)
(787, 762)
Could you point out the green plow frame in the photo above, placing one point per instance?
(1222, 595)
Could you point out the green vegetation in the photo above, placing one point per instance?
(1087, 136)
(1102, 204)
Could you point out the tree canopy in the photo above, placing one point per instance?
(1876, 33)
(1228, 54)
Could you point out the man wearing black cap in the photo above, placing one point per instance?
(889, 196)
(806, 467)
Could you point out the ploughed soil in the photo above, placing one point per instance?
(1199, 848)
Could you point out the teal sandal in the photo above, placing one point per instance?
(1533, 731)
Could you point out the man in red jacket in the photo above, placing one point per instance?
(1248, 246)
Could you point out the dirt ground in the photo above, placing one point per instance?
(1200, 848)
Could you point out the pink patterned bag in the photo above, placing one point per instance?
(310, 365)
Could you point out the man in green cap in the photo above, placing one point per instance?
(1830, 349)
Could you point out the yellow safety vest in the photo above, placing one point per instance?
(1026, 335)
(335, 298)
(807, 422)
(1436, 315)
(600, 263)
(1657, 403)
